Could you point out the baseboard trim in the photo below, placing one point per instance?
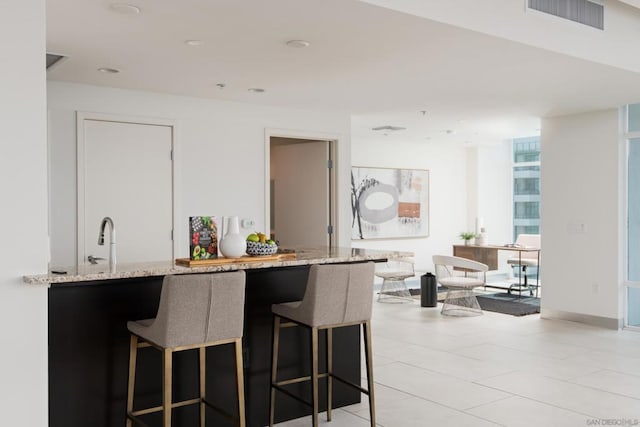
(602, 322)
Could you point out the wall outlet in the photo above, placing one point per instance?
(576, 228)
(248, 223)
(595, 288)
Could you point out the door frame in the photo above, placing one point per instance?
(81, 117)
(334, 140)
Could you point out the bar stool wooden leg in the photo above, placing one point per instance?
(240, 380)
(202, 353)
(314, 375)
(329, 372)
(133, 352)
(366, 326)
(167, 362)
(274, 368)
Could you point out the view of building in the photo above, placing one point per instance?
(526, 186)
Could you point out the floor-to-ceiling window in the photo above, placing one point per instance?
(526, 186)
(633, 216)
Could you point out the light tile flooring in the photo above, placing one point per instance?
(495, 369)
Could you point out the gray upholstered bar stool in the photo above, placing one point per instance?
(337, 295)
(196, 311)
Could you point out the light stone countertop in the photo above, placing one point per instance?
(304, 256)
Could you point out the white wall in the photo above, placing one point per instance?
(491, 190)
(456, 183)
(495, 175)
(229, 137)
(581, 182)
(23, 215)
(473, 190)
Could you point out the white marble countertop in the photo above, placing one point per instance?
(304, 256)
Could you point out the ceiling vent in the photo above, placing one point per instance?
(582, 11)
(388, 128)
(53, 60)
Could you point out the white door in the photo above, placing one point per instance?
(125, 173)
(301, 193)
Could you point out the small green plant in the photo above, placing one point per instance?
(467, 235)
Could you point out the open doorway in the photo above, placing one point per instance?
(301, 193)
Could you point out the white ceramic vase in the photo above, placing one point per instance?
(232, 244)
(481, 239)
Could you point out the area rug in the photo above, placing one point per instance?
(504, 303)
(500, 302)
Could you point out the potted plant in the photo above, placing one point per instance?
(466, 236)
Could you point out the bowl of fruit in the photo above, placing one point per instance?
(259, 245)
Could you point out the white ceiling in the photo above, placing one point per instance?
(380, 65)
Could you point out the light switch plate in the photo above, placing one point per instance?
(576, 227)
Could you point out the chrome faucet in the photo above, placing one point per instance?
(112, 239)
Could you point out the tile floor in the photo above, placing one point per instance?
(495, 370)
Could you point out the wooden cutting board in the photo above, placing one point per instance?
(186, 262)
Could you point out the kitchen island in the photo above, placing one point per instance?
(89, 307)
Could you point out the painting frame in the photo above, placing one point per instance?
(389, 203)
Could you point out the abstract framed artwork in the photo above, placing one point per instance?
(389, 203)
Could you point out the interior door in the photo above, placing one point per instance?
(301, 193)
(125, 173)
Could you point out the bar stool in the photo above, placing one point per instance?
(196, 311)
(336, 296)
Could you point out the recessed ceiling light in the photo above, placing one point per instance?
(298, 43)
(255, 90)
(193, 42)
(108, 70)
(125, 8)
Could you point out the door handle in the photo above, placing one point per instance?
(93, 260)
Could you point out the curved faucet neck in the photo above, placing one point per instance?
(112, 239)
(106, 220)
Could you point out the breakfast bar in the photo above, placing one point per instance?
(89, 307)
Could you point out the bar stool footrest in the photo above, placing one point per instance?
(279, 385)
(221, 411)
(351, 384)
(137, 420)
(134, 415)
(298, 380)
(159, 408)
(291, 395)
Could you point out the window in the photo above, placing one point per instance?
(633, 209)
(526, 150)
(633, 118)
(526, 186)
(632, 318)
(527, 229)
(524, 210)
